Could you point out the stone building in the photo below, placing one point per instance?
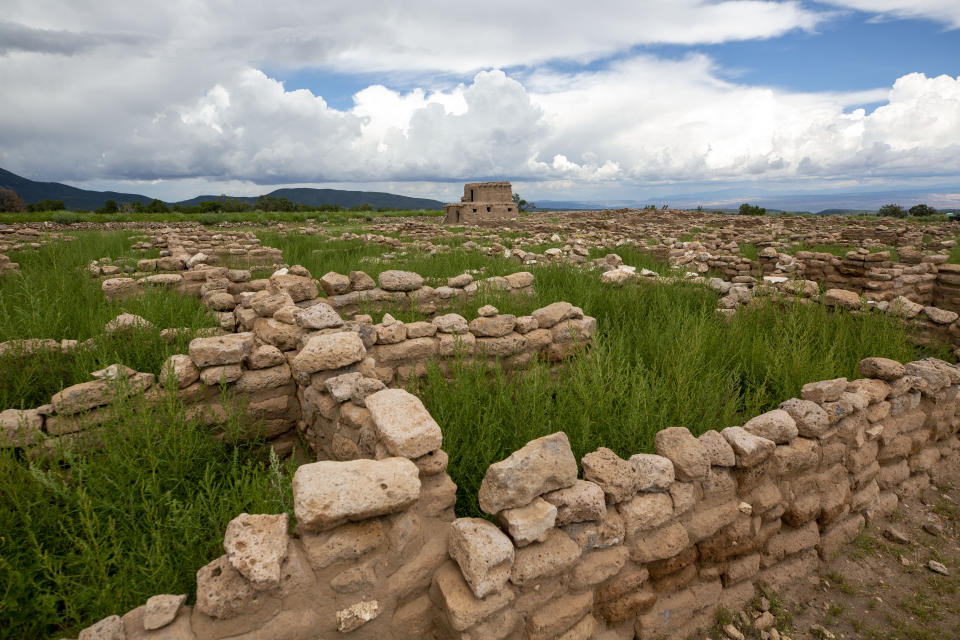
(482, 201)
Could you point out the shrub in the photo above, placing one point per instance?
(922, 210)
(892, 210)
(752, 210)
(157, 206)
(46, 205)
(10, 201)
(110, 206)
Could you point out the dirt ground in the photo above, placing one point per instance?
(880, 586)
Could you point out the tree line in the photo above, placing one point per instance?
(10, 202)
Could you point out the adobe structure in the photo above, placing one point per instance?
(482, 201)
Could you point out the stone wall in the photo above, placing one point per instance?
(301, 373)
(644, 547)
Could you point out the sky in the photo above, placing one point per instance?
(636, 100)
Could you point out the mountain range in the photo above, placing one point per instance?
(85, 200)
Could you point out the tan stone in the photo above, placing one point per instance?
(269, 378)
(346, 542)
(657, 544)
(297, 287)
(552, 314)
(451, 323)
(319, 316)
(530, 523)
(394, 280)
(751, 450)
(161, 610)
(357, 615)
(881, 368)
(615, 476)
(330, 351)
(326, 494)
(824, 390)
(558, 616)
(653, 472)
(462, 608)
(110, 628)
(404, 425)
(334, 284)
(179, 369)
(483, 552)
(557, 554)
(718, 449)
(580, 502)
(220, 350)
(542, 465)
(256, 546)
(222, 592)
(645, 511)
(689, 456)
(222, 374)
(810, 418)
(776, 425)
(20, 428)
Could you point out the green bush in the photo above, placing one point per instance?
(752, 210)
(892, 210)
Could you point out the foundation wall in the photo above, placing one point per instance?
(644, 547)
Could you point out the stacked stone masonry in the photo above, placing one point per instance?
(644, 547)
(301, 372)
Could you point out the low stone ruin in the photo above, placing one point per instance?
(304, 374)
(644, 547)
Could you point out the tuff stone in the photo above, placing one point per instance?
(405, 426)
(484, 554)
(689, 456)
(256, 546)
(542, 465)
(530, 523)
(326, 494)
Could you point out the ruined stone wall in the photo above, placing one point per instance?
(478, 212)
(487, 192)
(301, 373)
(644, 547)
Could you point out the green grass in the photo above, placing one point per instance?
(100, 532)
(662, 358)
(320, 256)
(749, 250)
(53, 297)
(840, 250)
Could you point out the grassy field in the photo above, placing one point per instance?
(54, 297)
(101, 532)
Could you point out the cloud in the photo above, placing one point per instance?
(20, 37)
(945, 11)
(189, 99)
(642, 120)
(386, 36)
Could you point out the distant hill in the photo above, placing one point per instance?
(339, 197)
(85, 200)
(73, 198)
